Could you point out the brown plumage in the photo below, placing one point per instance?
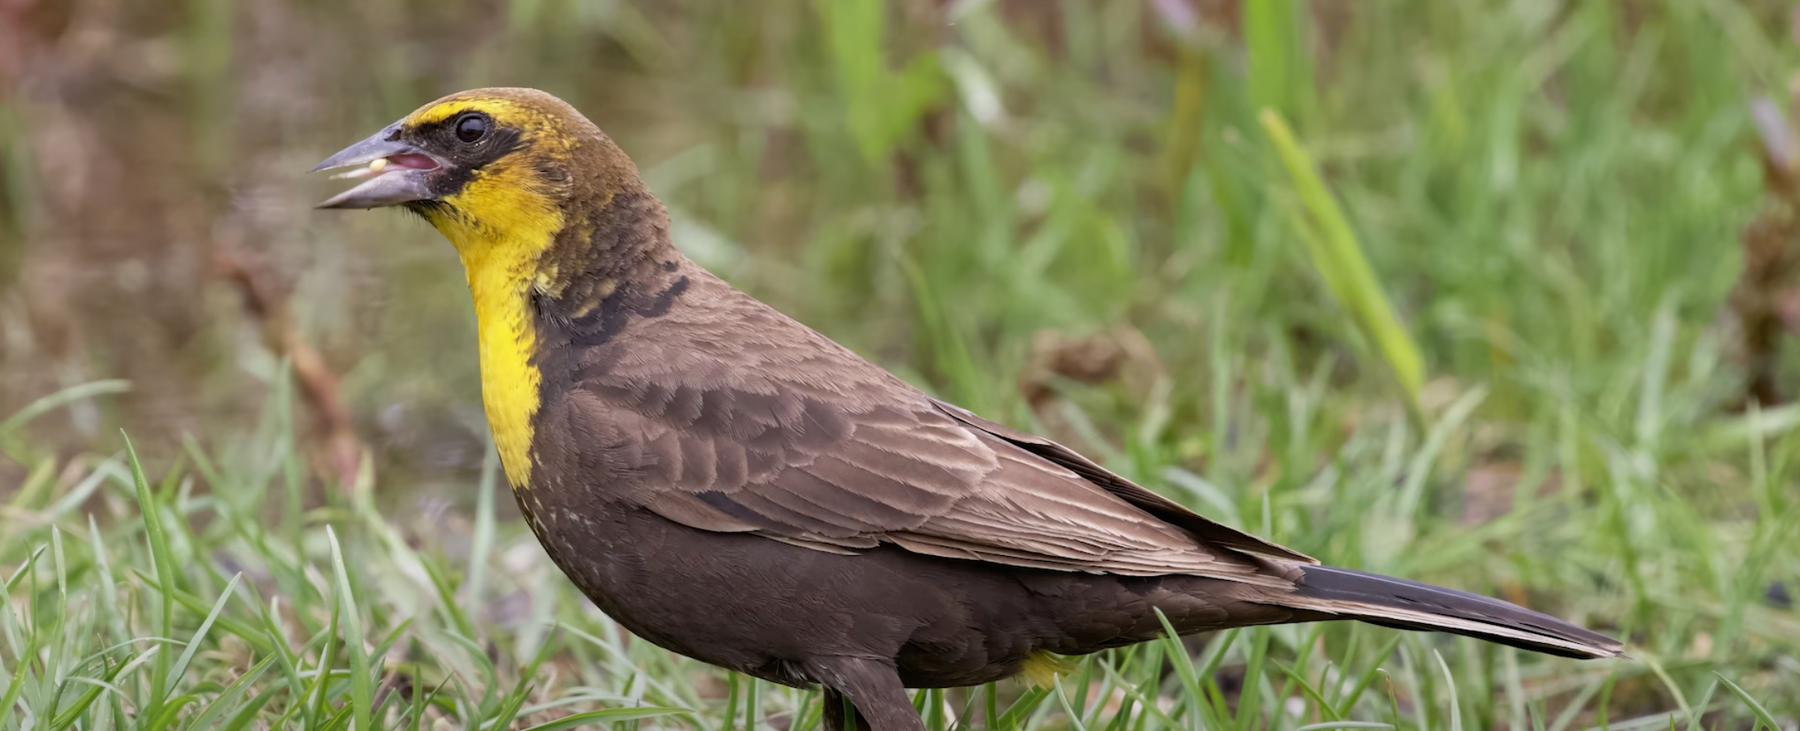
(738, 488)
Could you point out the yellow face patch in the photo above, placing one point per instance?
(502, 221)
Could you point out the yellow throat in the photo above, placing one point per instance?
(503, 272)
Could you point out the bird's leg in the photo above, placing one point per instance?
(872, 687)
(839, 714)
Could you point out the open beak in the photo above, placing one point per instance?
(393, 172)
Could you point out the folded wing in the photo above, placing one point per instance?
(780, 432)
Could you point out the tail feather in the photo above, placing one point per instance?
(1403, 604)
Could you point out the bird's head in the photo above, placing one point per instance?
(485, 166)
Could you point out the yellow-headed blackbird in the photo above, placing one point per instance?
(733, 486)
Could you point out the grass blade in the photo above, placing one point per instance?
(362, 689)
(1762, 714)
(163, 559)
(1338, 256)
(187, 655)
(608, 715)
(50, 403)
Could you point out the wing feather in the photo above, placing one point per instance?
(777, 431)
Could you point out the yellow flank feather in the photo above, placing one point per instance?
(1041, 668)
(502, 272)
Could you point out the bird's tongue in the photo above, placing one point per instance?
(417, 162)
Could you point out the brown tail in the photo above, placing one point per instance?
(1403, 604)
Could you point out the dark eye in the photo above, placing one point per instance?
(471, 128)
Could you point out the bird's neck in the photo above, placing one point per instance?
(623, 240)
(544, 257)
(501, 264)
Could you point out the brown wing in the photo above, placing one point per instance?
(725, 415)
(1157, 505)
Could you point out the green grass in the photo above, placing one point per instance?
(202, 613)
(1457, 321)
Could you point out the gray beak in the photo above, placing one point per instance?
(394, 172)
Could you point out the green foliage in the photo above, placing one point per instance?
(158, 622)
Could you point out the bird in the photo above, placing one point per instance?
(731, 485)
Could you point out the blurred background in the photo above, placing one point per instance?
(994, 196)
(1546, 329)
